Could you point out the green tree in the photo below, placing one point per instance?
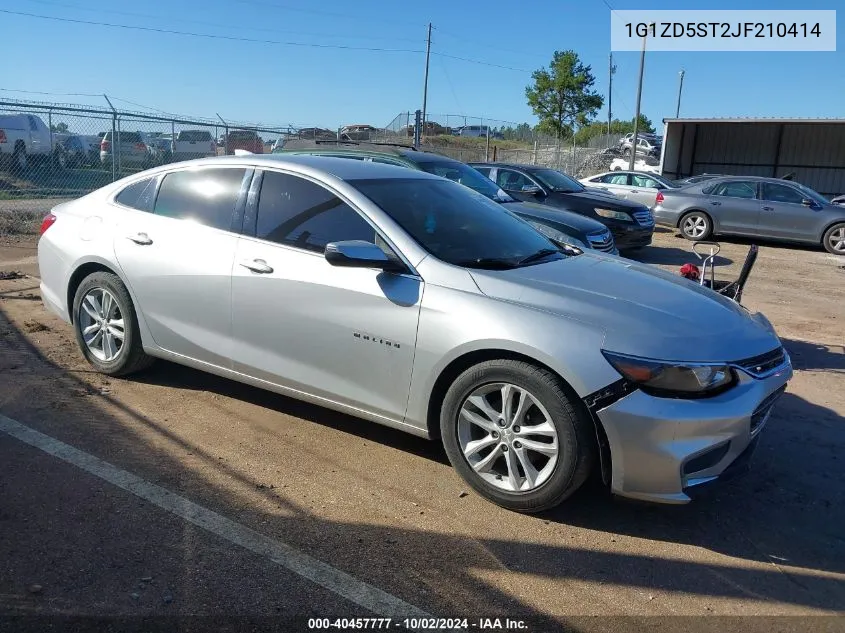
(562, 96)
(59, 128)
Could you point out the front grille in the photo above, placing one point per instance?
(602, 241)
(762, 413)
(764, 363)
(644, 217)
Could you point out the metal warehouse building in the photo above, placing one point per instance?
(812, 149)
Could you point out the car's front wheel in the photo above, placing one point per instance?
(106, 326)
(514, 434)
(696, 226)
(834, 239)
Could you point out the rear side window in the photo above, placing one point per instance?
(194, 135)
(139, 195)
(735, 189)
(300, 213)
(205, 196)
(484, 171)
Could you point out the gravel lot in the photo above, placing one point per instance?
(388, 510)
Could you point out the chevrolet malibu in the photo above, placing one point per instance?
(412, 301)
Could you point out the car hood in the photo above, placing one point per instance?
(580, 223)
(643, 311)
(592, 197)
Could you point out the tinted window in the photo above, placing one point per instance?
(298, 212)
(243, 136)
(735, 190)
(194, 135)
(484, 171)
(33, 124)
(463, 174)
(456, 224)
(781, 193)
(557, 181)
(139, 195)
(510, 180)
(206, 196)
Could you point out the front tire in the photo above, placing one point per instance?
(514, 434)
(696, 226)
(834, 239)
(106, 326)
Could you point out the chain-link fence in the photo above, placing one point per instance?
(63, 151)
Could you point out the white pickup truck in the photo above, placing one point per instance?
(193, 144)
(22, 138)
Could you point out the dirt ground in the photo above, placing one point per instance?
(388, 510)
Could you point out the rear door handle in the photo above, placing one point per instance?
(141, 239)
(257, 266)
(715, 203)
(766, 208)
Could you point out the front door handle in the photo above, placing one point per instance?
(257, 266)
(767, 208)
(141, 239)
(715, 203)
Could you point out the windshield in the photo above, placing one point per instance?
(458, 225)
(557, 181)
(194, 135)
(467, 176)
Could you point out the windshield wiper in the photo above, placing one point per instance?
(489, 263)
(541, 254)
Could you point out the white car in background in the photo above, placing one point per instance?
(641, 187)
(23, 137)
(639, 165)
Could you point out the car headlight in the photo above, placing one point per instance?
(614, 215)
(672, 379)
(559, 236)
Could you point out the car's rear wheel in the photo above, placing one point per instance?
(834, 239)
(106, 326)
(696, 226)
(514, 434)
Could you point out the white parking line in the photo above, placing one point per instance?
(356, 591)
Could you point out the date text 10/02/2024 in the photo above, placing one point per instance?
(418, 624)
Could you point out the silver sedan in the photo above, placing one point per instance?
(412, 301)
(755, 207)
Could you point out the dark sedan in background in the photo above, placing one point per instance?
(754, 206)
(631, 223)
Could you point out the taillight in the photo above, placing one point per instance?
(660, 198)
(2, 136)
(140, 146)
(105, 146)
(47, 222)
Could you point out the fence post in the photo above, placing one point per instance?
(487, 146)
(172, 138)
(114, 144)
(417, 124)
(226, 132)
(495, 152)
(116, 147)
(535, 152)
(50, 125)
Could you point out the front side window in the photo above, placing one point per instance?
(139, 195)
(510, 180)
(735, 190)
(204, 196)
(484, 171)
(300, 213)
(457, 225)
(616, 179)
(780, 193)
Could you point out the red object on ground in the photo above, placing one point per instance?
(690, 271)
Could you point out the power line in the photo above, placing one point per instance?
(53, 94)
(477, 61)
(274, 5)
(491, 46)
(229, 26)
(607, 4)
(230, 38)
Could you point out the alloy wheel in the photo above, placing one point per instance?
(507, 437)
(837, 240)
(100, 321)
(695, 225)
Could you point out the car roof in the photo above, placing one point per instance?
(511, 166)
(340, 167)
(302, 148)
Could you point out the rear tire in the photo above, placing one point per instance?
(528, 456)
(696, 226)
(103, 308)
(834, 239)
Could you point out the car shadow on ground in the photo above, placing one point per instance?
(673, 256)
(786, 514)
(815, 356)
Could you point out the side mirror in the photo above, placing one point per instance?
(808, 203)
(360, 254)
(531, 190)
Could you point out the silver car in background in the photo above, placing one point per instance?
(637, 186)
(771, 208)
(409, 300)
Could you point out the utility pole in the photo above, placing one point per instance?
(425, 86)
(639, 99)
(680, 89)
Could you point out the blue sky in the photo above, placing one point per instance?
(306, 85)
